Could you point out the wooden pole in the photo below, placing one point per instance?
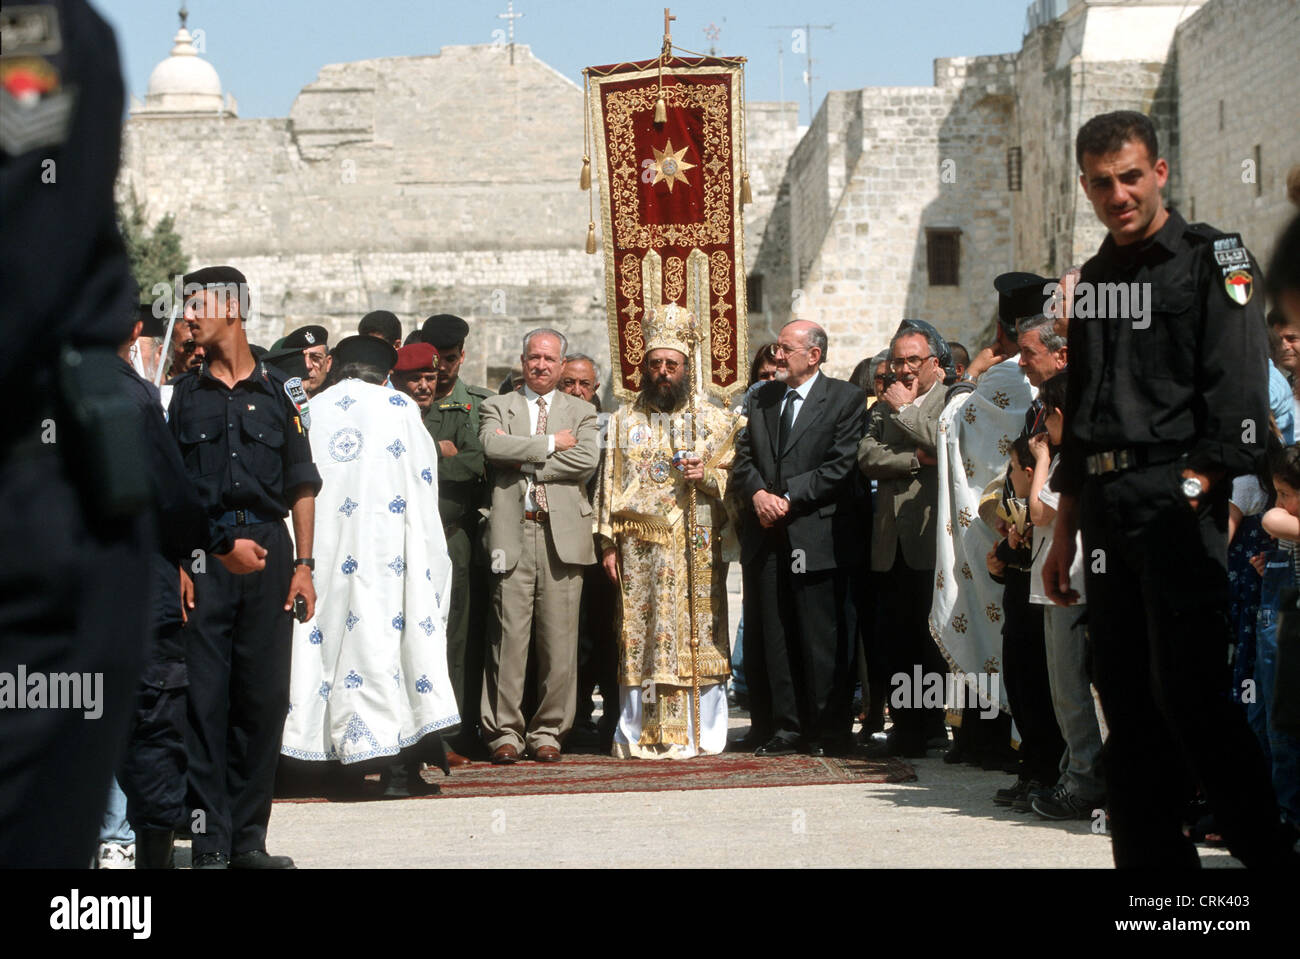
(692, 342)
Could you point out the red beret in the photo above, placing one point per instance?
(417, 356)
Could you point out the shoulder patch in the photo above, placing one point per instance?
(293, 389)
(1233, 261)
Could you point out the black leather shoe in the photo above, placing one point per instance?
(211, 860)
(814, 749)
(747, 743)
(257, 859)
(776, 746)
(891, 748)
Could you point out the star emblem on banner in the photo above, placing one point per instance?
(670, 165)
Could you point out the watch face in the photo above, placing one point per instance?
(1191, 487)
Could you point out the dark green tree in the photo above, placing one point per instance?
(155, 255)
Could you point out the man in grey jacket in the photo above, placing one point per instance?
(899, 453)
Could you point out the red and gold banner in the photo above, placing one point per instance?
(671, 208)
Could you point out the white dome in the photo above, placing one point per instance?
(184, 82)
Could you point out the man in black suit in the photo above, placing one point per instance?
(801, 539)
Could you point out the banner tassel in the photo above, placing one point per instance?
(584, 181)
(746, 197)
(591, 237)
(661, 112)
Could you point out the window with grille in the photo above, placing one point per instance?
(942, 253)
(754, 292)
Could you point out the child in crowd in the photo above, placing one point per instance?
(1081, 787)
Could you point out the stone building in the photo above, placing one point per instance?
(448, 183)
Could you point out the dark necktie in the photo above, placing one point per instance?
(787, 420)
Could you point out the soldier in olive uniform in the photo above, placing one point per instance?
(452, 421)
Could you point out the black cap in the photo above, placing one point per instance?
(370, 350)
(290, 361)
(445, 331)
(1020, 295)
(150, 325)
(381, 323)
(415, 336)
(306, 336)
(215, 276)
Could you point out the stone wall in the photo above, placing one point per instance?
(1238, 87)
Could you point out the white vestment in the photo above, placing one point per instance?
(369, 672)
(976, 431)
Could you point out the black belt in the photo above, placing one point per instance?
(1135, 457)
(245, 517)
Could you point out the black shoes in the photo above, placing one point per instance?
(1060, 805)
(776, 746)
(258, 859)
(211, 860)
(889, 747)
(1017, 793)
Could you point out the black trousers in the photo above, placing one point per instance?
(72, 600)
(1158, 611)
(800, 644)
(1029, 693)
(598, 648)
(152, 772)
(903, 629)
(237, 650)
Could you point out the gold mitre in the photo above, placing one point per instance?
(671, 328)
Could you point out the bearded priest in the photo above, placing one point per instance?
(656, 451)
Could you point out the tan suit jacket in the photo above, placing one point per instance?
(564, 473)
(906, 492)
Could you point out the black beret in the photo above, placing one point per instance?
(1020, 295)
(215, 276)
(291, 361)
(384, 323)
(445, 331)
(370, 350)
(306, 336)
(150, 325)
(415, 336)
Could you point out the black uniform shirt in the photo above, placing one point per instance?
(1195, 378)
(245, 448)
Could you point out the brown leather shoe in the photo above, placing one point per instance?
(546, 754)
(456, 759)
(505, 755)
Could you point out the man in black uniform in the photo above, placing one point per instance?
(72, 554)
(152, 773)
(247, 452)
(1167, 402)
(314, 343)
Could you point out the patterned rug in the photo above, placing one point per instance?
(602, 774)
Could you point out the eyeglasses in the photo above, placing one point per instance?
(189, 346)
(667, 364)
(781, 349)
(908, 362)
(315, 359)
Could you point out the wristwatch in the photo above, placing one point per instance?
(305, 561)
(1192, 488)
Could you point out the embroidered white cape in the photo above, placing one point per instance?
(369, 673)
(976, 430)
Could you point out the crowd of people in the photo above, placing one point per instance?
(1075, 548)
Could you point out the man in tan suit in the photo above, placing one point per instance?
(543, 445)
(899, 453)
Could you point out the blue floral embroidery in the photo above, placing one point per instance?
(437, 600)
(349, 565)
(398, 505)
(396, 448)
(428, 575)
(324, 691)
(348, 506)
(316, 636)
(422, 685)
(396, 400)
(426, 474)
(344, 403)
(352, 620)
(356, 730)
(399, 621)
(352, 680)
(345, 445)
(397, 679)
(426, 624)
(398, 565)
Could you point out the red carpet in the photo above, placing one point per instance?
(600, 774)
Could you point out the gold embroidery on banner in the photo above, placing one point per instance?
(720, 272)
(674, 279)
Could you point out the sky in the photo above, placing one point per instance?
(267, 50)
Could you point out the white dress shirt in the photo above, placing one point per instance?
(528, 469)
(802, 389)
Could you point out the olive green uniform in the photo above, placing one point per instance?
(460, 493)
